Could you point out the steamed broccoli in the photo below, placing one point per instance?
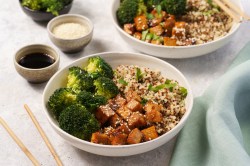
(91, 101)
(106, 87)
(53, 6)
(61, 98)
(98, 67)
(129, 9)
(79, 122)
(79, 79)
(176, 7)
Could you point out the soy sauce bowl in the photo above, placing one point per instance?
(36, 63)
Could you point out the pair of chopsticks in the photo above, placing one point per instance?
(232, 10)
(22, 146)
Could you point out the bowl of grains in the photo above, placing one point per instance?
(174, 29)
(70, 32)
(117, 104)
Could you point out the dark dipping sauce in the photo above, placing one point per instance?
(36, 60)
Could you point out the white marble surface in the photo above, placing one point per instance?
(17, 30)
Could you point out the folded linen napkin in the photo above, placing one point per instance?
(218, 130)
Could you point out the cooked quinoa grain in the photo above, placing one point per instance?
(148, 85)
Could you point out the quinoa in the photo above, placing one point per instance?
(171, 99)
(205, 22)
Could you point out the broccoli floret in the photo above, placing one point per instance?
(79, 122)
(176, 7)
(91, 101)
(99, 67)
(79, 80)
(129, 9)
(52, 6)
(106, 87)
(61, 98)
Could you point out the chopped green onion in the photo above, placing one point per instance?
(162, 86)
(144, 34)
(144, 101)
(138, 74)
(150, 16)
(184, 92)
(122, 81)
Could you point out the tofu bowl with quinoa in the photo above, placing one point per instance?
(173, 29)
(117, 104)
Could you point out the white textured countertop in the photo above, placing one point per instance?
(17, 30)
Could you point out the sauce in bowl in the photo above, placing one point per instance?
(36, 60)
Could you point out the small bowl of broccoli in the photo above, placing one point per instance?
(45, 10)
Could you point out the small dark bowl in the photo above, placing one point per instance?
(42, 16)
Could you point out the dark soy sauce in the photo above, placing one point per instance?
(36, 60)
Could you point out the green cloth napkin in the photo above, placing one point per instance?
(217, 132)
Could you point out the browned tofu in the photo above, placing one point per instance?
(132, 95)
(115, 121)
(152, 106)
(141, 23)
(100, 138)
(120, 101)
(168, 26)
(138, 35)
(136, 120)
(179, 30)
(124, 112)
(157, 30)
(153, 116)
(103, 113)
(119, 139)
(134, 105)
(157, 42)
(135, 136)
(149, 133)
(123, 129)
(129, 28)
(169, 41)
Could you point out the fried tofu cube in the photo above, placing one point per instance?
(100, 138)
(153, 113)
(169, 25)
(149, 133)
(119, 139)
(132, 95)
(115, 121)
(179, 30)
(135, 136)
(129, 28)
(120, 101)
(153, 116)
(103, 113)
(134, 105)
(157, 42)
(141, 23)
(124, 112)
(123, 129)
(136, 120)
(157, 30)
(169, 41)
(138, 35)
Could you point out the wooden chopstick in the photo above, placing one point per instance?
(237, 9)
(42, 133)
(19, 142)
(233, 10)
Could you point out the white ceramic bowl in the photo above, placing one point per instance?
(172, 51)
(71, 45)
(115, 59)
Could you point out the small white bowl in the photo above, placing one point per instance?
(115, 59)
(36, 75)
(177, 52)
(71, 45)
